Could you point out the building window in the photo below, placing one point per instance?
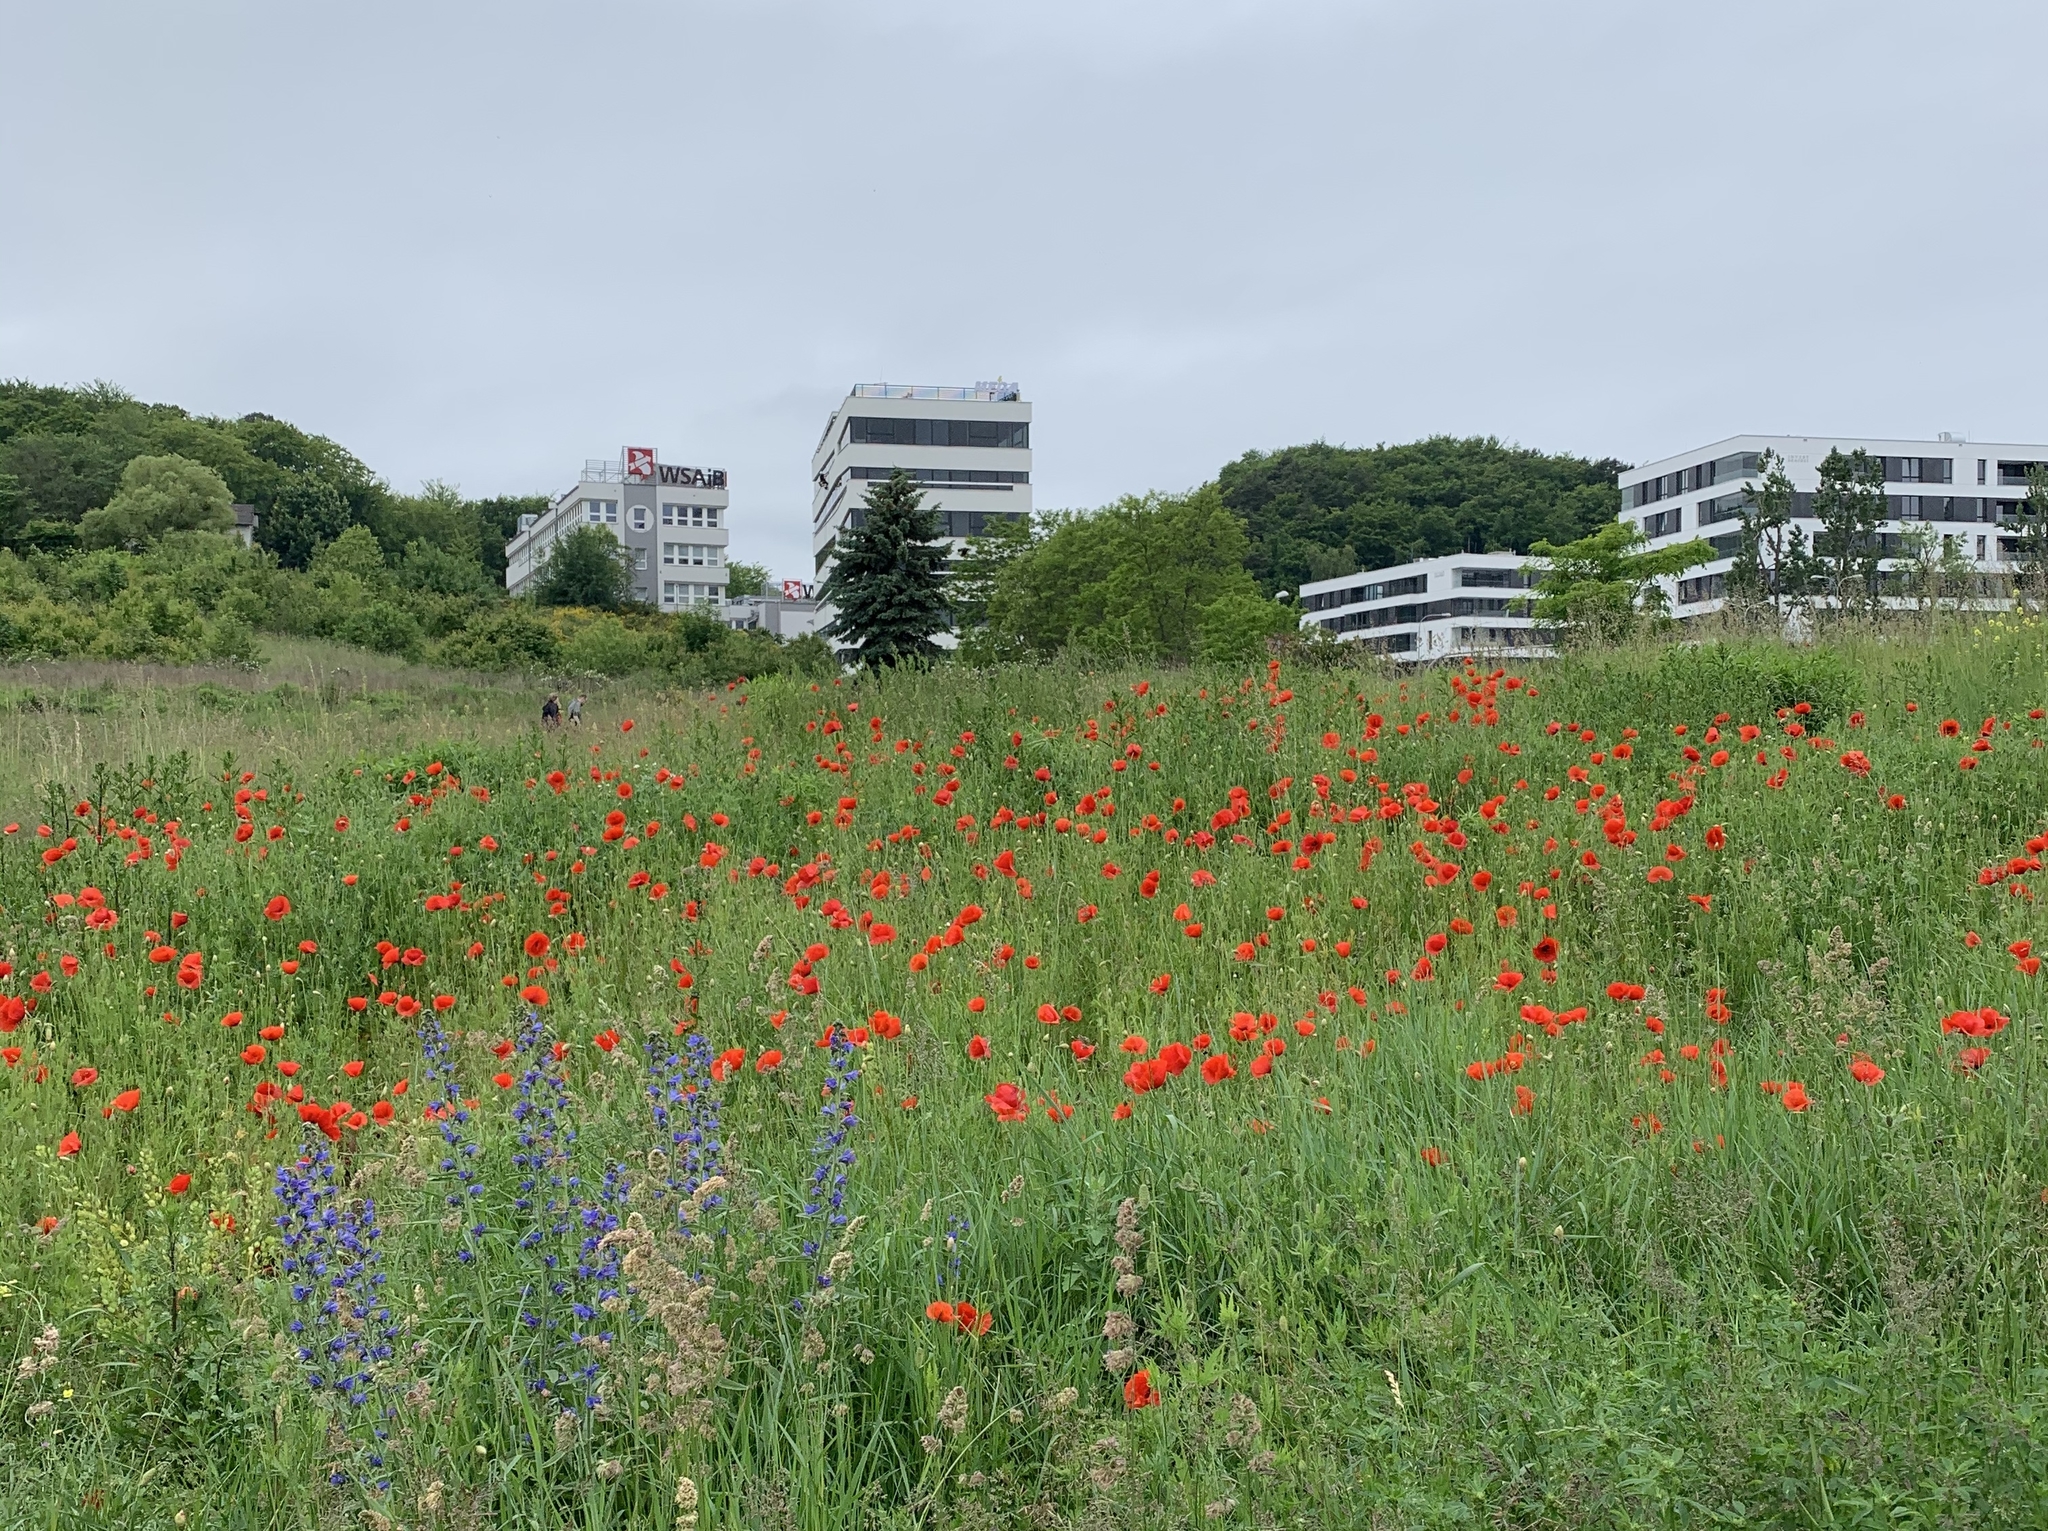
(980, 478)
(1707, 587)
(639, 518)
(640, 559)
(689, 515)
(1663, 523)
(601, 512)
(1980, 547)
(867, 430)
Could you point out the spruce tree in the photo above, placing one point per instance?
(888, 583)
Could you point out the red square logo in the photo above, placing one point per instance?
(640, 463)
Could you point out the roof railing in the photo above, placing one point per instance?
(998, 392)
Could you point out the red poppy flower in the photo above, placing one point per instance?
(127, 1100)
(84, 1077)
(254, 1054)
(502, 1081)
(1007, 1102)
(1139, 1392)
(1217, 1069)
(179, 1185)
(68, 1145)
(277, 908)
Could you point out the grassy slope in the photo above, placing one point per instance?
(1744, 1314)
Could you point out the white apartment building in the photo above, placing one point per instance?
(968, 448)
(674, 520)
(1968, 493)
(1459, 605)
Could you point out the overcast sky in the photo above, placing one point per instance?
(484, 242)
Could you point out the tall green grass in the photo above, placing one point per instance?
(1642, 1302)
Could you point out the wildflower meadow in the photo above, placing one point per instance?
(1594, 1092)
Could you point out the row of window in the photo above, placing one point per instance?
(676, 592)
(974, 523)
(1712, 587)
(1707, 587)
(1889, 545)
(1898, 507)
(872, 430)
(1497, 637)
(1413, 584)
(981, 477)
(692, 553)
(1721, 470)
(1404, 616)
(1417, 584)
(1496, 579)
(606, 513)
(1897, 470)
(952, 523)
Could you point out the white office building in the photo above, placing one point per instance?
(1968, 494)
(968, 448)
(785, 613)
(674, 520)
(1458, 606)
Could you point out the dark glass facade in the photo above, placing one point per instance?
(880, 430)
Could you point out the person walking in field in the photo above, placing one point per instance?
(551, 713)
(576, 711)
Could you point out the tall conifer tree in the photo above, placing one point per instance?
(888, 583)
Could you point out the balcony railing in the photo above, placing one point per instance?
(983, 393)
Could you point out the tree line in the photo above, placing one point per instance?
(1203, 574)
(116, 541)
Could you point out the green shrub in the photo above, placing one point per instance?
(511, 637)
(382, 628)
(606, 646)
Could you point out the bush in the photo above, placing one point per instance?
(384, 629)
(1234, 628)
(511, 637)
(607, 646)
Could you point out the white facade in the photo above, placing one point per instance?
(784, 616)
(1460, 605)
(1969, 491)
(968, 448)
(675, 520)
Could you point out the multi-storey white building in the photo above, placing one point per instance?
(674, 520)
(1968, 494)
(1433, 608)
(968, 448)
